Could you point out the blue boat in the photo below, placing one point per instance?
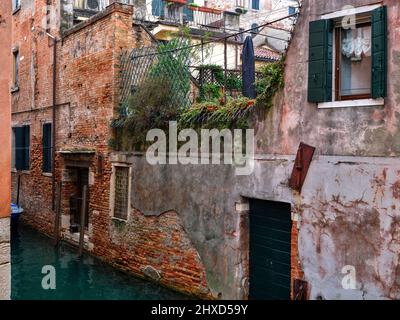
(15, 212)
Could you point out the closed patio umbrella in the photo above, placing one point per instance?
(248, 69)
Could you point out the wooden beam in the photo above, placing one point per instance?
(83, 222)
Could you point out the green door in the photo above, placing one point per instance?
(270, 229)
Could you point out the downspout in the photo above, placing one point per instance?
(53, 131)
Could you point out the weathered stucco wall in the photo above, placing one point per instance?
(5, 143)
(363, 131)
(348, 209)
(348, 215)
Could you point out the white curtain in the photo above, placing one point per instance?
(356, 43)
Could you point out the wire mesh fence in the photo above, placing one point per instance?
(167, 61)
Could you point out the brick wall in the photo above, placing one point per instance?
(87, 96)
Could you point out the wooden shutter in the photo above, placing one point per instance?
(255, 4)
(379, 53)
(320, 61)
(46, 143)
(187, 12)
(26, 147)
(157, 8)
(19, 148)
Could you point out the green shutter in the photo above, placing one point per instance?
(19, 148)
(320, 61)
(157, 8)
(379, 53)
(26, 147)
(46, 144)
(188, 13)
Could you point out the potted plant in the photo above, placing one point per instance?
(241, 10)
(193, 6)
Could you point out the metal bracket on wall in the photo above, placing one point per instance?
(302, 163)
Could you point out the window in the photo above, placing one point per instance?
(255, 4)
(121, 192)
(16, 4)
(353, 62)
(21, 147)
(47, 147)
(348, 62)
(15, 77)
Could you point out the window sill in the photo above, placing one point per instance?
(352, 103)
(47, 174)
(119, 220)
(14, 89)
(21, 171)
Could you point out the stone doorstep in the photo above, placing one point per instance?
(73, 239)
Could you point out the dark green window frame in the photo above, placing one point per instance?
(22, 147)
(320, 80)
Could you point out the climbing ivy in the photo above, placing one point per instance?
(271, 81)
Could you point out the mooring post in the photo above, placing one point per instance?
(83, 222)
(18, 187)
(57, 215)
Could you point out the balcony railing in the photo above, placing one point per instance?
(199, 17)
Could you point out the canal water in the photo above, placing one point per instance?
(78, 279)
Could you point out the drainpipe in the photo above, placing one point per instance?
(53, 131)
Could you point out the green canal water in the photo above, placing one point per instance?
(78, 279)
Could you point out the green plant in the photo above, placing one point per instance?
(210, 91)
(233, 83)
(217, 114)
(271, 81)
(149, 107)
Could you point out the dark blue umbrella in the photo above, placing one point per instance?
(248, 69)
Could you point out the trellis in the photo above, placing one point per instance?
(169, 61)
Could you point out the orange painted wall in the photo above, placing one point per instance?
(5, 107)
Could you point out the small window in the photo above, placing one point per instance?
(348, 63)
(47, 148)
(255, 4)
(121, 192)
(15, 77)
(16, 4)
(21, 147)
(292, 11)
(353, 62)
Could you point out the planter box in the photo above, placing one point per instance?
(193, 8)
(210, 10)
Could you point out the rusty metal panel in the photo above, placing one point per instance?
(302, 163)
(300, 289)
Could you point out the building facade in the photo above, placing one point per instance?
(5, 141)
(201, 229)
